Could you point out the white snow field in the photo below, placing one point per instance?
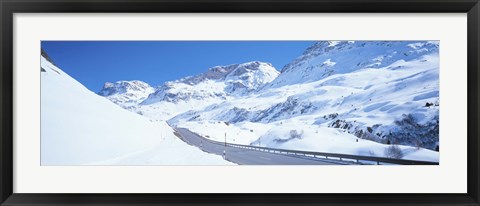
(313, 138)
(78, 127)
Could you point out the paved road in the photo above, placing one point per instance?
(245, 156)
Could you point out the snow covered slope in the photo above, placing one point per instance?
(127, 94)
(352, 97)
(80, 127)
(342, 97)
(326, 58)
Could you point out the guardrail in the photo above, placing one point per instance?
(355, 159)
(334, 156)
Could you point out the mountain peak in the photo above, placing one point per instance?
(234, 79)
(121, 87)
(126, 93)
(222, 72)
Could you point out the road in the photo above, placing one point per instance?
(246, 156)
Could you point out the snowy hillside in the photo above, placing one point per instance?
(351, 97)
(342, 97)
(127, 94)
(326, 58)
(80, 127)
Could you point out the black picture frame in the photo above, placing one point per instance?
(10, 7)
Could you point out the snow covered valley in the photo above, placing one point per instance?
(369, 98)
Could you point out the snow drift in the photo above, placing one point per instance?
(80, 127)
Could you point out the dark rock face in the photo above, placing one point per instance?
(405, 131)
(45, 55)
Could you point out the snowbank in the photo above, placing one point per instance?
(80, 127)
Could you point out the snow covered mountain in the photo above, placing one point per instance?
(217, 82)
(81, 128)
(368, 94)
(352, 97)
(127, 94)
(326, 58)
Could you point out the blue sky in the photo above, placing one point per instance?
(95, 62)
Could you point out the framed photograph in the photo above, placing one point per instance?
(252, 103)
